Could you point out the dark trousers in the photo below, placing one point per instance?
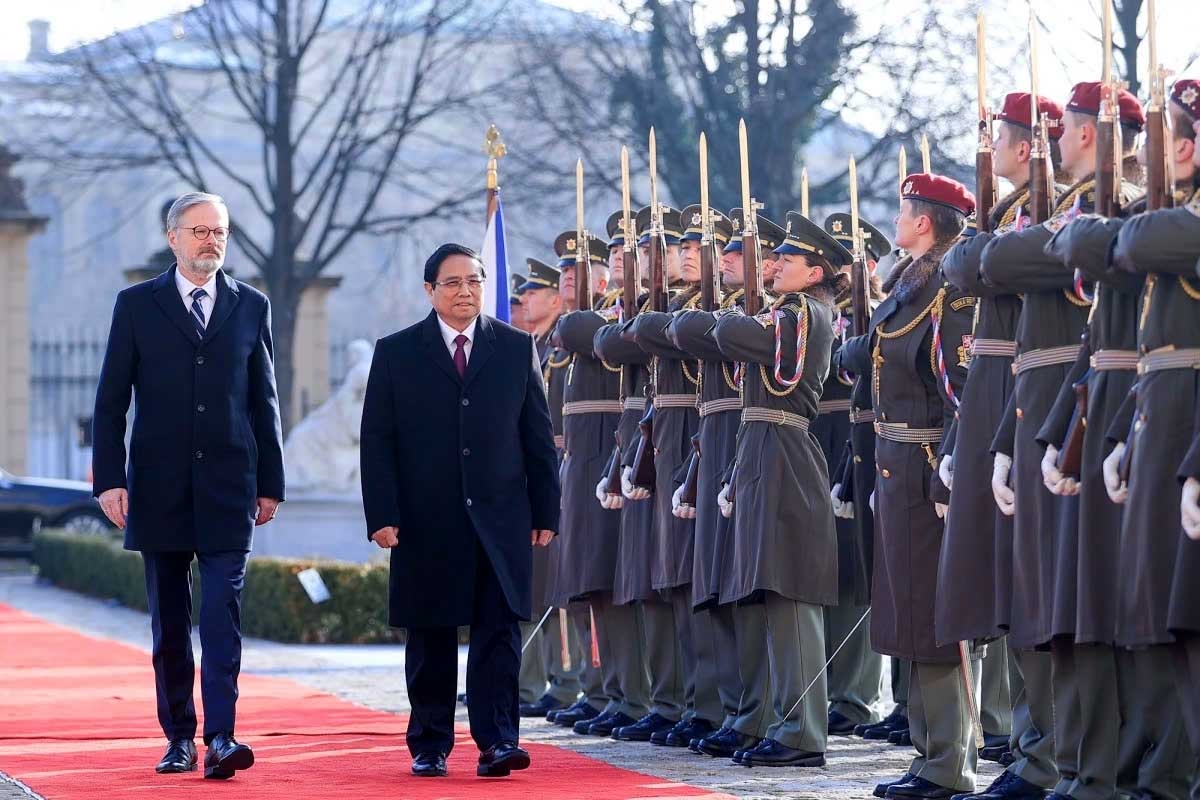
(169, 594)
(493, 669)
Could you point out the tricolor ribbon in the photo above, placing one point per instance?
(943, 373)
(775, 317)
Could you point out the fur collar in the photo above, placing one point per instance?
(908, 278)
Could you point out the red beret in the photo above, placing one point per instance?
(937, 189)
(1187, 94)
(1016, 111)
(1085, 98)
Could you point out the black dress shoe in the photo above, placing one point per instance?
(429, 765)
(900, 738)
(920, 789)
(552, 716)
(582, 726)
(881, 789)
(840, 724)
(541, 708)
(226, 756)
(500, 759)
(682, 732)
(577, 712)
(605, 727)
(771, 753)
(644, 728)
(725, 742)
(881, 729)
(993, 753)
(1001, 780)
(1007, 760)
(180, 757)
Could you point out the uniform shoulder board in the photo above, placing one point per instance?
(960, 303)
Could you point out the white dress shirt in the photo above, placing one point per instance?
(449, 335)
(186, 288)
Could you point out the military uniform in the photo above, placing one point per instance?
(1156, 618)
(916, 336)
(855, 673)
(785, 551)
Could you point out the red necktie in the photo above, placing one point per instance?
(460, 355)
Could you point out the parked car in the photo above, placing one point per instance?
(29, 504)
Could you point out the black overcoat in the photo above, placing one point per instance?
(206, 439)
(459, 465)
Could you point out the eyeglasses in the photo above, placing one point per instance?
(202, 232)
(475, 284)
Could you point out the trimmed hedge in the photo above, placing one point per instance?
(274, 604)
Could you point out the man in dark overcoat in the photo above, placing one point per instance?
(460, 480)
(205, 465)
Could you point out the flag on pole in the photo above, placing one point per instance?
(495, 261)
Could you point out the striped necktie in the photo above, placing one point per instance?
(198, 312)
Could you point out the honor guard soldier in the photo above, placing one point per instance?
(975, 576)
(516, 313)
(918, 340)
(785, 548)
(854, 675)
(675, 382)
(544, 682)
(1046, 527)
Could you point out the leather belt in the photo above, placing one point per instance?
(634, 404)
(862, 415)
(775, 416)
(592, 407)
(1106, 360)
(900, 432)
(1045, 357)
(833, 406)
(560, 441)
(719, 406)
(674, 401)
(1001, 348)
(1163, 358)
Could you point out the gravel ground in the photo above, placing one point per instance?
(373, 676)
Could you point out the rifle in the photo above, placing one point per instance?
(691, 483)
(1041, 187)
(1070, 457)
(860, 299)
(583, 256)
(1160, 168)
(629, 303)
(1108, 140)
(751, 253)
(644, 474)
(985, 177)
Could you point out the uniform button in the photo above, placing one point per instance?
(1020, 413)
(199, 359)
(199, 455)
(466, 451)
(885, 473)
(201, 407)
(468, 502)
(858, 459)
(466, 402)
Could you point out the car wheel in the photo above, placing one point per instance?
(84, 522)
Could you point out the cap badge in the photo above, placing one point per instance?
(1189, 95)
(908, 187)
(837, 226)
(697, 218)
(571, 244)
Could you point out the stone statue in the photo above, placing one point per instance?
(321, 453)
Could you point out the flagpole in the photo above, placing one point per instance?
(495, 150)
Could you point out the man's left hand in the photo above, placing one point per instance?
(542, 538)
(266, 510)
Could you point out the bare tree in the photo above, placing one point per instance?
(335, 115)
(816, 79)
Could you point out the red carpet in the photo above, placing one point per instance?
(77, 722)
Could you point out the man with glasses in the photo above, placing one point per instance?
(205, 465)
(459, 481)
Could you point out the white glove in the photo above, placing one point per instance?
(1055, 481)
(628, 489)
(602, 491)
(679, 509)
(871, 502)
(946, 471)
(841, 508)
(1189, 508)
(724, 502)
(1005, 498)
(1117, 491)
(941, 509)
